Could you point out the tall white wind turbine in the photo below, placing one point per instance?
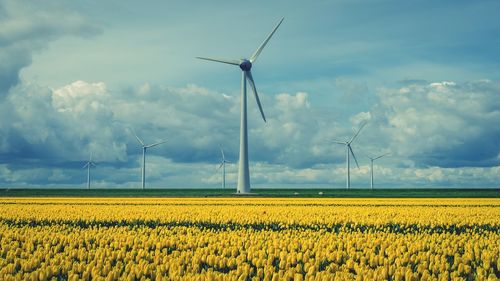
(223, 166)
(371, 167)
(144, 148)
(348, 153)
(245, 66)
(88, 165)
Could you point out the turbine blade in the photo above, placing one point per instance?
(93, 164)
(233, 62)
(353, 156)
(252, 84)
(85, 166)
(222, 152)
(339, 142)
(255, 55)
(381, 156)
(220, 166)
(138, 139)
(357, 133)
(155, 144)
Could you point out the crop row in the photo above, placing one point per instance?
(272, 226)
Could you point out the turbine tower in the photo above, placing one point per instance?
(371, 167)
(245, 66)
(223, 166)
(88, 165)
(144, 148)
(348, 152)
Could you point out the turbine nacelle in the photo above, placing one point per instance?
(245, 65)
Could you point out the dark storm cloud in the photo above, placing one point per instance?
(27, 27)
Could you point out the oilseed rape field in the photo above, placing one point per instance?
(249, 239)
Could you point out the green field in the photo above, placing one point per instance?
(340, 193)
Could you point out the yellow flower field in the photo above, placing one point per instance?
(249, 239)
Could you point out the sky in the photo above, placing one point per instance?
(80, 77)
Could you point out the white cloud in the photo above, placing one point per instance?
(59, 128)
(361, 117)
(445, 124)
(78, 97)
(63, 125)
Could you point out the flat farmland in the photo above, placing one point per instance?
(264, 192)
(249, 238)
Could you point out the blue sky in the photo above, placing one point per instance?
(78, 77)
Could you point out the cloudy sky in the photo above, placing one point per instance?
(78, 77)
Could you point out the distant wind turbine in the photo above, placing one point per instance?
(88, 165)
(371, 166)
(245, 66)
(223, 166)
(144, 148)
(348, 152)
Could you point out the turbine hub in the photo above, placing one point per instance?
(245, 65)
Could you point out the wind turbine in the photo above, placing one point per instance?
(223, 166)
(144, 148)
(88, 165)
(348, 152)
(245, 66)
(371, 166)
